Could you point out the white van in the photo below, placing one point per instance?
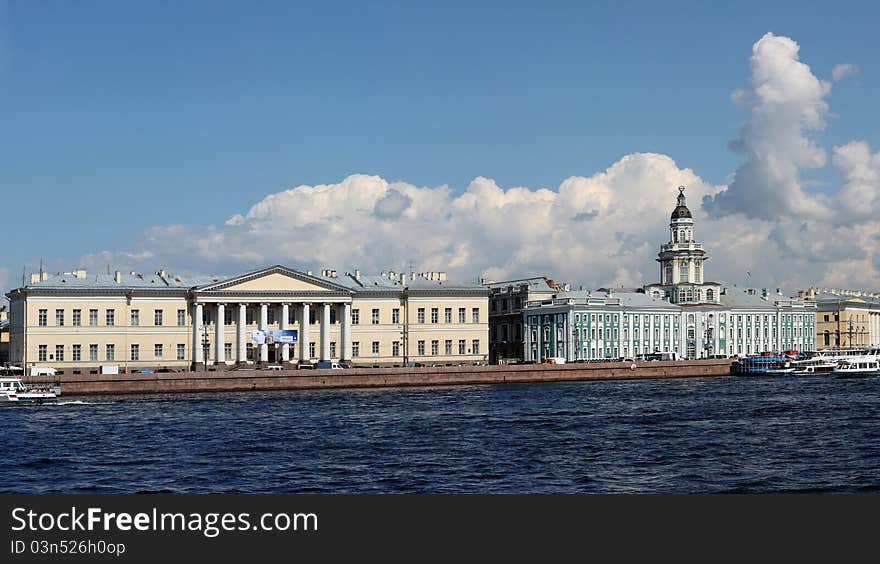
(330, 365)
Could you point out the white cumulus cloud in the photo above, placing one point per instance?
(600, 229)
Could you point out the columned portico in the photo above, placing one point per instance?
(325, 332)
(219, 334)
(304, 354)
(242, 333)
(285, 347)
(264, 323)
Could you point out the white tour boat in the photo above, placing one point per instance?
(13, 392)
(857, 367)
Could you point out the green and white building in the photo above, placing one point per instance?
(682, 314)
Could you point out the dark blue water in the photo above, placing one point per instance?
(728, 434)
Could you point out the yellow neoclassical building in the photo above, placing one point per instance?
(79, 323)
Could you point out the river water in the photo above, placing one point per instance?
(728, 434)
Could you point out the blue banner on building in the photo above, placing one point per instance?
(269, 337)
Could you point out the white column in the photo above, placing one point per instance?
(345, 332)
(285, 348)
(304, 333)
(325, 332)
(220, 336)
(198, 353)
(264, 323)
(242, 333)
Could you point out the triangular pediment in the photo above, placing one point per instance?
(274, 279)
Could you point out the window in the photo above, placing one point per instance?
(42, 353)
(110, 317)
(332, 349)
(135, 352)
(59, 353)
(375, 348)
(227, 316)
(435, 347)
(227, 351)
(476, 346)
(181, 352)
(76, 353)
(421, 348)
(421, 315)
(461, 315)
(249, 351)
(158, 351)
(447, 315)
(395, 348)
(355, 349)
(291, 315)
(668, 273)
(375, 318)
(249, 315)
(333, 319)
(110, 352)
(93, 353)
(683, 271)
(311, 350)
(461, 345)
(77, 317)
(435, 315)
(135, 317)
(270, 316)
(181, 317)
(59, 317)
(710, 295)
(355, 316)
(42, 317)
(448, 348)
(93, 317)
(395, 315)
(475, 315)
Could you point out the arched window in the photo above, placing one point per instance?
(668, 274)
(710, 295)
(683, 271)
(697, 272)
(675, 236)
(690, 318)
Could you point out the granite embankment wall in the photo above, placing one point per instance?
(238, 380)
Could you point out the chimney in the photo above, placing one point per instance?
(118, 277)
(309, 272)
(357, 275)
(35, 278)
(403, 278)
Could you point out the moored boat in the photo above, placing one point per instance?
(857, 367)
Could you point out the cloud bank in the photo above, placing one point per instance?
(592, 230)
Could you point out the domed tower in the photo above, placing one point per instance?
(681, 261)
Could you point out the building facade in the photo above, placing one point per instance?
(846, 318)
(507, 301)
(682, 314)
(4, 337)
(77, 323)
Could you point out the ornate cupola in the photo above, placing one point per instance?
(681, 261)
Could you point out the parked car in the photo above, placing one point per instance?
(329, 365)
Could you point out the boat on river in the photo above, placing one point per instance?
(857, 367)
(14, 392)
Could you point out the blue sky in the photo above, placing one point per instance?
(123, 116)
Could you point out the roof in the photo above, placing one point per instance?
(166, 281)
(537, 284)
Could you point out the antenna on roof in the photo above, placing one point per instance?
(41, 268)
(23, 271)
